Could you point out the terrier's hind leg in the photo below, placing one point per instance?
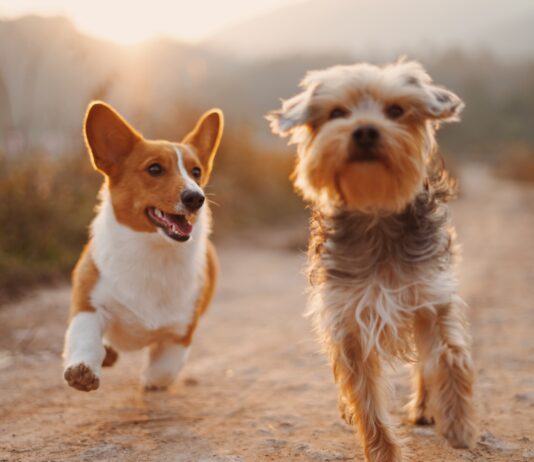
(419, 412)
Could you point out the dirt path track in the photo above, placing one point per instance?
(256, 387)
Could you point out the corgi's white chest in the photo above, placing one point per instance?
(146, 281)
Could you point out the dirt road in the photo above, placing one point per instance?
(256, 387)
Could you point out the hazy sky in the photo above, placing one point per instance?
(131, 21)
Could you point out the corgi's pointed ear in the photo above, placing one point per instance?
(206, 137)
(108, 136)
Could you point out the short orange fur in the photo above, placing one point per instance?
(131, 191)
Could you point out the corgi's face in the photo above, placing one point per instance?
(155, 186)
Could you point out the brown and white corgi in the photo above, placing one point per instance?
(149, 270)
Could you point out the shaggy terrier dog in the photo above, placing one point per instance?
(382, 248)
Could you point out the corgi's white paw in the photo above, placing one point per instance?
(81, 377)
(162, 386)
(164, 362)
(156, 378)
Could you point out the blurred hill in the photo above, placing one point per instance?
(49, 71)
(384, 28)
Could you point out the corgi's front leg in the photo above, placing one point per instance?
(164, 362)
(84, 351)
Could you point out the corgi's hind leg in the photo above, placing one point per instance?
(164, 362)
(111, 356)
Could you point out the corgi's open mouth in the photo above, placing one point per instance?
(177, 227)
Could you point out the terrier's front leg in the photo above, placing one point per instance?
(84, 351)
(453, 379)
(363, 400)
(443, 344)
(164, 362)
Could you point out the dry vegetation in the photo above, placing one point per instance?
(47, 204)
(517, 163)
(47, 198)
(45, 208)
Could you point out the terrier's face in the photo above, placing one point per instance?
(364, 133)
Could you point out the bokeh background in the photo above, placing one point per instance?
(257, 386)
(162, 64)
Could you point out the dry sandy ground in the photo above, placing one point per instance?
(257, 387)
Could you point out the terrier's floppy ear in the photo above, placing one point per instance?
(442, 104)
(293, 113)
(108, 136)
(439, 103)
(206, 137)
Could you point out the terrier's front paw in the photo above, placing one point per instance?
(346, 413)
(383, 450)
(460, 434)
(81, 377)
(419, 416)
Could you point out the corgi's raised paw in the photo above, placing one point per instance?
(81, 377)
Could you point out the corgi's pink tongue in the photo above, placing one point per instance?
(181, 225)
(173, 224)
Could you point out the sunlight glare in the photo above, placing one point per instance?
(130, 22)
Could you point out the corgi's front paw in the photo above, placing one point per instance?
(164, 362)
(81, 377)
(151, 387)
(154, 381)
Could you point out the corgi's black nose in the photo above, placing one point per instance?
(366, 136)
(192, 200)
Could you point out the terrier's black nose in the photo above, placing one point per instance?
(193, 200)
(366, 136)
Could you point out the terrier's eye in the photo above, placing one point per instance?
(196, 172)
(394, 111)
(155, 169)
(338, 113)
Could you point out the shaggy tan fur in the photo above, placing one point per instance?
(382, 248)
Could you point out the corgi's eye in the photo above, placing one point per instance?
(155, 169)
(338, 113)
(394, 111)
(196, 172)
